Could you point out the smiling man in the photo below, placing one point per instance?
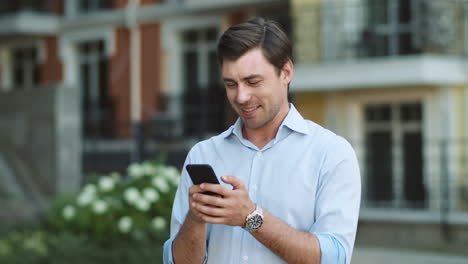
(290, 189)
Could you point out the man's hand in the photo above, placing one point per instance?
(229, 207)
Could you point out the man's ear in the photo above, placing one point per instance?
(287, 72)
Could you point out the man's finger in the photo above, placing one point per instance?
(211, 200)
(195, 189)
(234, 181)
(216, 188)
(209, 210)
(213, 219)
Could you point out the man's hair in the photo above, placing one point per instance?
(256, 33)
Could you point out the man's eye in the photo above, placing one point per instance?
(230, 85)
(254, 83)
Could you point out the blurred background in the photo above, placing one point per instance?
(90, 87)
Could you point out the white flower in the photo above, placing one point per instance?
(99, 206)
(85, 198)
(87, 195)
(115, 176)
(142, 205)
(172, 174)
(125, 224)
(158, 223)
(135, 170)
(89, 188)
(131, 195)
(68, 212)
(161, 184)
(151, 194)
(149, 169)
(106, 184)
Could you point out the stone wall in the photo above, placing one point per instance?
(40, 148)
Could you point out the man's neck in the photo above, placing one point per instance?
(261, 136)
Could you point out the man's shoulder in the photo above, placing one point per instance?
(326, 136)
(318, 132)
(213, 140)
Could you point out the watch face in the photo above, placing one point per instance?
(255, 222)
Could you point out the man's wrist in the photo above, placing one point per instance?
(194, 219)
(254, 220)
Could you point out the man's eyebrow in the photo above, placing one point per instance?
(228, 80)
(253, 76)
(250, 77)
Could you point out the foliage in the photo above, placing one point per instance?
(37, 247)
(114, 207)
(23, 247)
(112, 219)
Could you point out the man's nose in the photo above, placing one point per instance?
(243, 94)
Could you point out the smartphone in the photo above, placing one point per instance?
(200, 173)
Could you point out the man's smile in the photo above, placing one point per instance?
(249, 111)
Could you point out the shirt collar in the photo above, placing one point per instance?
(294, 121)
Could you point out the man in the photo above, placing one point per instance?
(290, 189)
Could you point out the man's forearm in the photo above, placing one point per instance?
(189, 246)
(292, 245)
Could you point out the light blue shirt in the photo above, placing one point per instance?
(307, 176)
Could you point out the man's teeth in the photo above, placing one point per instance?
(249, 109)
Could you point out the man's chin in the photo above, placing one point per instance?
(251, 124)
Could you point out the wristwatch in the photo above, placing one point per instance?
(254, 220)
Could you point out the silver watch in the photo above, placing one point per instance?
(254, 220)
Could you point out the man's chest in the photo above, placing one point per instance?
(284, 186)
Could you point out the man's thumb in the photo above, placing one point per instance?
(234, 181)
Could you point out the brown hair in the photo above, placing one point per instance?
(256, 33)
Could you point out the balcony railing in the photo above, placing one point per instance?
(437, 182)
(112, 144)
(346, 30)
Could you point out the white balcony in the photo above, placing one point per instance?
(212, 4)
(427, 70)
(29, 23)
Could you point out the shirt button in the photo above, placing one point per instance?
(259, 153)
(245, 258)
(254, 187)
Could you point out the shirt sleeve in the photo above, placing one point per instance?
(332, 252)
(179, 211)
(337, 202)
(167, 249)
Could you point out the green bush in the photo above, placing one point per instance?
(113, 207)
(23, 247)
(112, 219)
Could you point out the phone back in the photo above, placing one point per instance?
(200, 173)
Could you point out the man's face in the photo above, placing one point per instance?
(255, 89)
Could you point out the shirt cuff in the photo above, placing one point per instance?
(331, 250)
(168, 258)
(167, 252)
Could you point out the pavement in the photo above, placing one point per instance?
(369, 255)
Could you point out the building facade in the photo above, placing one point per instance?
(142, 77)
(388, 75)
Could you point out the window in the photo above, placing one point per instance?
(25, 67)
(22, 5)
(86, 6)
(96, 102)
(394, 157)
(390, 29)
(204, 99)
